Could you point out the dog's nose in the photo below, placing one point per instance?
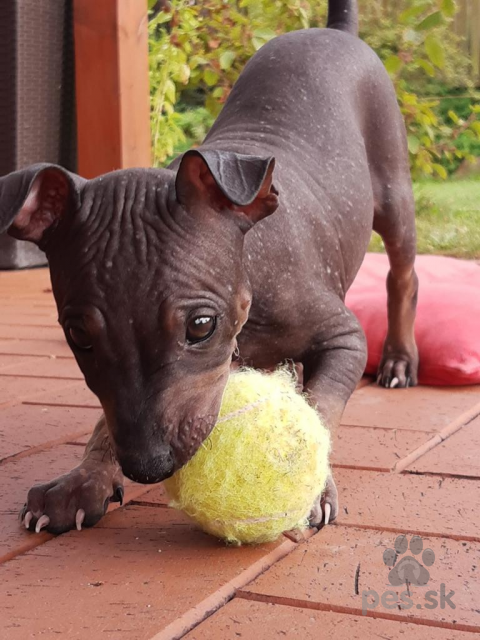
(148, 467)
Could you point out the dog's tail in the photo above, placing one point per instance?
(343, 15)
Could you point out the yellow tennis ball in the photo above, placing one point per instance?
(260, 470)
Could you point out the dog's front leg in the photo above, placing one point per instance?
(332, 368)
(80, 497)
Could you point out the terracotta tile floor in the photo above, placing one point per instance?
(406, 462)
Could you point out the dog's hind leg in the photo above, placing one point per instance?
(394, 220)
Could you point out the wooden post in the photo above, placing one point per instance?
(112, 85)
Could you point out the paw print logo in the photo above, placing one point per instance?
(409, 569)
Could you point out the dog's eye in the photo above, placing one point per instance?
(200, 328)
(80, 338)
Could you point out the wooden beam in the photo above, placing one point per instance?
(112, 85)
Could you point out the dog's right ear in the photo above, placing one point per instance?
(34, 200)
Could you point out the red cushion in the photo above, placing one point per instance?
(448, 316)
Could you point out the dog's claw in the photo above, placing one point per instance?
(325, 507)
(27, 520)
(79, 518)
(328, 512)
(394, 383)
(43, 521)
(118, 495)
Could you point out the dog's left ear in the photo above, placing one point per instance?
(227, 180)
(33, 200)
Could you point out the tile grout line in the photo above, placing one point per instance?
(39, 377)
(31, 403)
(41, 340)
(347, 425)
(353, 611)
(32, 326)
(406, 472)
(147, 504)
(36, 540)
(207, 607)
(19, 400)
(46, 446)
(38, 355)
(462, 421)
(359, 467)
(418, 532)
(441, 474)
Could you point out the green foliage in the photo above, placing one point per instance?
(201, 48)
(457, 108)
(197, 51)
(424, 50)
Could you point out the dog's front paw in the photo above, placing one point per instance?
(325, 507)
(76, 499)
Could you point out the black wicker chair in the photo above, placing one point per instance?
(37, 102)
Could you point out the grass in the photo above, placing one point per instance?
(448, 218)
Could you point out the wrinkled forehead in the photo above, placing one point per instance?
(129, 238)
(121, 210)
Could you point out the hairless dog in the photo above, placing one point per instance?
(242, 249)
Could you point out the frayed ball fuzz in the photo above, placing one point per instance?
(260, 470)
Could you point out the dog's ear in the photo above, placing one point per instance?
(227, 180)
(33, 200)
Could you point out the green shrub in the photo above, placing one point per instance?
(197, 51)
(460, 102)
